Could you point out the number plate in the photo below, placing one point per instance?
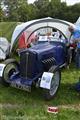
(46, 80)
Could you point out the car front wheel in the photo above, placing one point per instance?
(11, 66)
(55, 82)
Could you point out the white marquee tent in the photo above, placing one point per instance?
(41, 23)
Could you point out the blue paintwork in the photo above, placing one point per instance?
(25, 81)
(37, 54)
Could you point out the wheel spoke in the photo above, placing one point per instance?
(54, 83)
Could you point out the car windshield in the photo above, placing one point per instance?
(51, 38)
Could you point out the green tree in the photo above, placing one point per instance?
(75, 9)
(13, 9)
(48, 8)
(54, 8)
(23, 13)
(20, 10)
(1, 13)
(41, 8)
(32, 12)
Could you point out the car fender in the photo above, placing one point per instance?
(2, 66)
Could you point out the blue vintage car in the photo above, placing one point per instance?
(41, 64)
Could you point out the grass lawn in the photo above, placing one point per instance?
(6, 29)
(19, 105)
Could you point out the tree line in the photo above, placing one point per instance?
(20, 10)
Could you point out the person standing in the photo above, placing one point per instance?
(76, 39)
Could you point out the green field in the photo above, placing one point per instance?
(6, 29)
(19, 105)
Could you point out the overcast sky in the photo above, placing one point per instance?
(69, 2)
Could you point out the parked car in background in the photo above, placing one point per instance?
(4, 48)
